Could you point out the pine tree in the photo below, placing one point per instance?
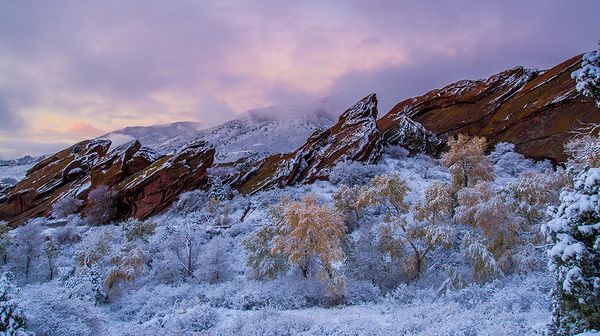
(12, 318)
(574, 234)
(51, 250)
(588, 77)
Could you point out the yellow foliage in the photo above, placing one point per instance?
(311, 230)
(467, 161)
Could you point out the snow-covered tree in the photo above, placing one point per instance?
(214, 264)
(484, 263)
(5, 241)
(264, 263)
(125, 266)
(12, 319)
(408, 241)
(313, 232)
(183, 240)
(51, 251)
(350, 201)
(483, 208)
(436, 207)
(366, 260)
(467, 161)
(574, 235)
(588, 77)
(29, 244)
(507, 161)
(101, 207)
(65, 207)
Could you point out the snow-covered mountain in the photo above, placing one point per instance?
(257, 133)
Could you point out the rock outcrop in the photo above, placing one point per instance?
(153, 189)
(354, 137)
(143, 182)
(62, 173)
(535, 110)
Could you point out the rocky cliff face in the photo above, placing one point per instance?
(154, 188)
(354, 137)
(143, 181)
(535, 110)
(64, 173)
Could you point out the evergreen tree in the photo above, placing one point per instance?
(12, 318)
(574, 234)
(588, 77)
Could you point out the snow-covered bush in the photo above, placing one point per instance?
(574, 233)
(353, 173)
(135, 229)
(101, 207)
(65, 207)
(507, 161)
(5, 241)
(54, 310)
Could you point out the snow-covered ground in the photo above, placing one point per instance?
(159, 299)
(15, 172)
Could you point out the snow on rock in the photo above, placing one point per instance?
(354, 137)
(535, 110)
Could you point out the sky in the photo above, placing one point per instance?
(72, 70)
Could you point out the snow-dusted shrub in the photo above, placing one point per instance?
(195, 319)
(366, 260)
(51, 251)
(125, 266)
(269, 323)
(53, 310)
(584, 150)
(588, 77)
(574, 233)
(396, 152)
(178, 246)
(65, 207)
(12, 317)
(507, 161)
(135, 229)
(290, 292)
(189, 202)
(354, 173)
(101, 207)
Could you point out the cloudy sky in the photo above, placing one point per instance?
(71, 70)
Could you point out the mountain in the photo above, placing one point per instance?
(535, 110)
(255, 133)
(282, 146)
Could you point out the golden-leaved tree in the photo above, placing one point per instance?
(312, 231)
(467, 161)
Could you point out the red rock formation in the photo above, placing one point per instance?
(50, 179)
(120, 163)
(534, 110)
(354, 137)
(154, 188)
